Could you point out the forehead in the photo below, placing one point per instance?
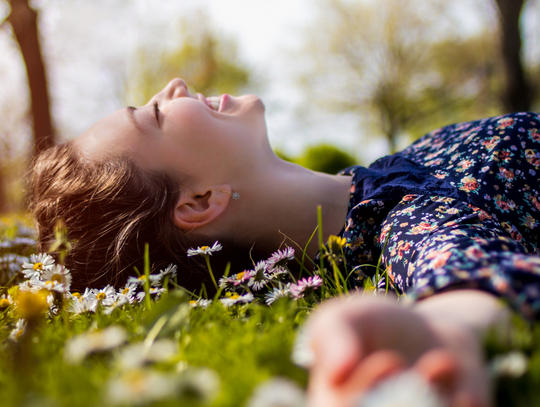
(113, 135)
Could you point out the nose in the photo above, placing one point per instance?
(176, 88)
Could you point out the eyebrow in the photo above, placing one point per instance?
(130, 110)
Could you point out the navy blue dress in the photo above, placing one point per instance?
(459, 208)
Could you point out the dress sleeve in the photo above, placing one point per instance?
(431, 244)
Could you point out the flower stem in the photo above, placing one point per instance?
(207, 258)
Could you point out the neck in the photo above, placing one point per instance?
(280, 205)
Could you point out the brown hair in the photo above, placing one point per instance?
(111, 209)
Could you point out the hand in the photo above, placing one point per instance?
(358, 342)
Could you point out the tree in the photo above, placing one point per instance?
(517, 93)
(385, 60)
(207, 62)
(23, 20)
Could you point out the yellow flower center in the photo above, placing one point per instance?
(235, 296)
(57, 278)
(125, 291)
(239, 276)
(192, 302)
(38, 266)
(77, 295)
(205, 248)
(4, 303)
(142, 277)
(101, 296)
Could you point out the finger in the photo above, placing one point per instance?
(337, 349)
(439, 367)
(373, 369)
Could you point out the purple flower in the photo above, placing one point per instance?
(280, 258)
(305, 287)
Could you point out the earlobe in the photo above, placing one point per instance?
(195, 209)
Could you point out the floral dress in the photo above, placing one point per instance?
(459, 208)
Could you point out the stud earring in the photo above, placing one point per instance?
(234, 195)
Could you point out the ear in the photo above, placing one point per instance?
(198, 208)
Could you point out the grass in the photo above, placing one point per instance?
(176, 351)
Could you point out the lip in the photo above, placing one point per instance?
(223, 101)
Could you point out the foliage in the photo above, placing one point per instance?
(323, 158)
(206, 60)
(403, 69)
(179, 349)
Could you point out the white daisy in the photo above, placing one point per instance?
(106, 296)
(170, 271)
(277, 293)
(305, 287)
(277, 392)
(236, 299)
(258, 278)
(276, 273)
(205, 250)
(38, 263)
(407, 389)
(280, 258)
(138, 354)
(140, 280)
(200, 303)
(51, 285)
(78, 347)
(120, 301)
(18, 331)
(59, 274)
(128, 292)
(80, 304)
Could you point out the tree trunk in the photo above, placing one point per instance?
(517, 95)
(23, 19)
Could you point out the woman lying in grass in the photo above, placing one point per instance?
(453, 219)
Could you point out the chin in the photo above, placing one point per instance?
(253, 101)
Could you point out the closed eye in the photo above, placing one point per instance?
(156, 111)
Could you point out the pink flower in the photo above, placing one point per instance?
(305, 287)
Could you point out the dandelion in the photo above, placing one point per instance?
(31, 305)
(5, 301)
(38, 263)
(205, 250)
(280, 258)
(405, 390)
(18, 331)
(336, 243)
(305, 287)
(80, 346)
(277, 293)
(277, 392)
(236, 299)
(200, 303)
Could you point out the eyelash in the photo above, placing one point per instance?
(156, 110)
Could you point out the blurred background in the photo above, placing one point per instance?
(344, 81)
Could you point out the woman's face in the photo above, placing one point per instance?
(204, 138)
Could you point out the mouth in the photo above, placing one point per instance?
(215, 103)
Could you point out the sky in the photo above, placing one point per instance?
(90, 44)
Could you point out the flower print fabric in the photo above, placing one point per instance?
(459, 208)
